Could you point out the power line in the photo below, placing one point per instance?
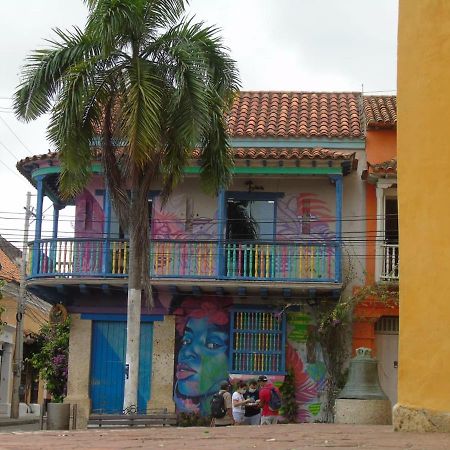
(8, 150)
(17, 137)
(12, 171)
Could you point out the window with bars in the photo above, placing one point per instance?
(257, 342)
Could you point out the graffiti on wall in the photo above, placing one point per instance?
(202, 341)
(305, 215)
(202, 349)
(177, 219)
(305, 357)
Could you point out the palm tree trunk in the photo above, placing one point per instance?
(133, 312)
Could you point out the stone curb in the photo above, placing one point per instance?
(17, 422)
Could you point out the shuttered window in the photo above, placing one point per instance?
(257, 342)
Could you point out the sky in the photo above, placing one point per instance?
(279, 45)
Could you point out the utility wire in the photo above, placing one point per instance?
(17, 137)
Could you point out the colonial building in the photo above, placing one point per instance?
(235, 278)
(376, 317)
(36, 314)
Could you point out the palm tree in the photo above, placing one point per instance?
(152, 85)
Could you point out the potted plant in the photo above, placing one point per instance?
(51, 359)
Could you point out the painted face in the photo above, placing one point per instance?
(202, 359)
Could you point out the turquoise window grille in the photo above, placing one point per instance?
(257, 342)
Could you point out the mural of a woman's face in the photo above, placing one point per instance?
(202, 360)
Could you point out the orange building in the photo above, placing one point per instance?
(375, 320)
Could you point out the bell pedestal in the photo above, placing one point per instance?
(363, 412)
(362, 401)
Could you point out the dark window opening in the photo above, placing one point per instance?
(249, 220)
(391, 221)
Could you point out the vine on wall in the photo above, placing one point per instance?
(333, 333)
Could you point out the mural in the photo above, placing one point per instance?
(304, 355)
(202, 332)
(178, 220)
(202, 349)
(304, 216)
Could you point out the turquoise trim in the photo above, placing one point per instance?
(339, 203)
(349, 144)
(120, 317)
(42, 171)
(38, 226)
(275, 170)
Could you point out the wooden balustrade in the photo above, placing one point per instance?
(280, 261)
(284, 261)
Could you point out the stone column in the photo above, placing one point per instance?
(163, 364)
(79, 368)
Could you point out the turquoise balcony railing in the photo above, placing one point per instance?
(229, 260)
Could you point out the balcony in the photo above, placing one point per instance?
(277, 261)
(389, 269)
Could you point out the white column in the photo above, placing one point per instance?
(380, 232)
(5, 380)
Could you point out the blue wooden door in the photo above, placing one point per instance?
(108, 366)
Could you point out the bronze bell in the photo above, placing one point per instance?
(363, 380)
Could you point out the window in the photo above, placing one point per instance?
(391, 221)
(257, 342)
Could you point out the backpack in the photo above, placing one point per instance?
(274, 400)
(217, 404)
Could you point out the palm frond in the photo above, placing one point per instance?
(141, 112)
(45, 69)
(114, 23)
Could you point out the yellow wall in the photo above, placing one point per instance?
(34, 318)
(424, 204)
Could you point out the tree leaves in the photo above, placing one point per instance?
(166, 83)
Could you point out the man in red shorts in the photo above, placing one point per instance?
(270, 401)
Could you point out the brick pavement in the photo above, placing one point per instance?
(279, 437)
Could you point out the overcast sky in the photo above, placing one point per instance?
(289, 45)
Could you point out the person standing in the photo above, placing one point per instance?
(239, 403)
(252, 409)
(227, 419)
(270, 400)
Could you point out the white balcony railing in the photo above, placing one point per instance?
(389, 269)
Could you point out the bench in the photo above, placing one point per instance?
(155, 418)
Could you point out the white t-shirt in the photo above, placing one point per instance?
(238, 397)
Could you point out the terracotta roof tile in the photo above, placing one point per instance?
(383, 168)
(380, 110)
(9, 269)
(241, 153)
(295, 114)
(287, 153)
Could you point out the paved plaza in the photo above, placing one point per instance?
(279, 437)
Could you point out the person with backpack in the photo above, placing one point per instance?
(270, 400)
(221, 407)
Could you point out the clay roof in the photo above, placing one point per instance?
(296, 114)
(239, 153)
(380, 111)
(288, 153)
(9, 268)
(383, 168)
